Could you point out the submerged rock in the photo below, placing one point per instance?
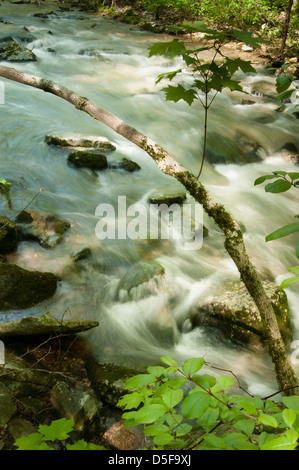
(92, 160)
(47, 230)
(8, 235)
(99, 143)
(20, 288)
(138, 276)
(36, 326)
(234, 313)
(167, 197)
(15, 52)
(125, 164)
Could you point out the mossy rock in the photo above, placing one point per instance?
(20, 288)
(47, 230)
(8, 235)
(167, 197)
(14, 52)
(233, 312)
(98, 143)
(92, 160)
(140, 274)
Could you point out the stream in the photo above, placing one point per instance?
(108, 62)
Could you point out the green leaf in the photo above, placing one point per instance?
(294, 269)
(247, 38)
(215, 442)
(283, 82)
(291, 402)
(58, 429)
(183, 429)
(168, 75)
(140, 380)
(150, 413)
(191, 366)
(32, 442)
(285, 95)
(163, 438)
(289, 416)
(177, 93)
(279, 443)
(238, 441)
(268, 420)
(168, 360)
(283, 231)
(288, 282)
(270, 406)
(245, 425)
(297, 250)
(209, 417)
(293, 175)
(156, 371)
(265, 437)
(156, 428)
(279, 186)
(205, 380)
(83, 445)
(263, 178)
(173, 398)
(172, 48)
(195, 405)
(225, 382)
(292, 435)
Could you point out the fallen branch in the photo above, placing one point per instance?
(234, 242)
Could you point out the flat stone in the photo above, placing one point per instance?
(79, 142)
(125, 164)
(32, 326)
(7, 407)
(167, 197)
(20, 288)
(19, 427)
(141, 273)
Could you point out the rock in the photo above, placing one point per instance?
(108, 380)
(289, 153)
(19, 427)
(82, 255)
(264, 88)
(125, 164)
(38, 326)
(137, 279)
(99, 143)
(14, 52)
(47, 230)
(78, 405)
(119, 437)
(167, 197)
(233, 312)
(7, 407)
(20, 288)
(8, 235)
(92, 160)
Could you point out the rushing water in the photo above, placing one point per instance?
(120, 77)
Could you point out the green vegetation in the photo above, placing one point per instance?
(203, 415)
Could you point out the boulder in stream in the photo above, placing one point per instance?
(168, 197)
(8, 235)
(232, 312)
(125, 164)
(140, 281)
(47, 230)
(12, 51)
(87, 159)
(80, 142)
(20, 288)
(40, 326)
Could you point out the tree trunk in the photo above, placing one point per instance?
(234, 242)
(286, 27)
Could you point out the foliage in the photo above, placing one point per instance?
(52, 437)
(283, 180)
(178, 416)
(209, 77)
